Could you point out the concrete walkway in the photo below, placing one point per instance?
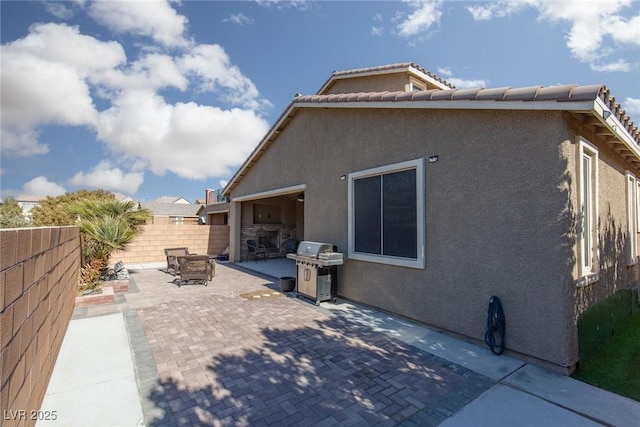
(237, 352)
(94, 382)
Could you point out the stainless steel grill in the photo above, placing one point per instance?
(317, 270)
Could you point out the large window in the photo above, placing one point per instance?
(633, 218)
(588, 173)
(386, 214)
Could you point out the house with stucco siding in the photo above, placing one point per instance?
(442, 197)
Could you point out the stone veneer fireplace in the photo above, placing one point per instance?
(271, 236)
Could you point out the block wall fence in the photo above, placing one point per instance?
(38, 279)
(149, 246)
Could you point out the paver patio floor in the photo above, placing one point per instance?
(236, 353)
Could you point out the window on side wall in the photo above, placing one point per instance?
(386, 214)
(415, 85)
(588, 215)
(633, 219)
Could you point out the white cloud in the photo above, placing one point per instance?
(632, 107)
(107, 177)
(597, 28)
(41, 186)
(281, 4)
(152, 71)
(32, 90)
(426, 14)
(151, 18)
(445, 71)
(499, 9)
(193, 141)
(467, 84)
(211, 64)
(52, 63)
(239, 19)
(21, 143)
(619, 65)
(459, 83)
(64, 45)
(59, 10)
(625, 30)
(377, 31)
(55, 62)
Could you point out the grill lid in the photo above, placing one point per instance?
(313, 249)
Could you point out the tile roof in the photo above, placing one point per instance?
(172, 209)
(171, 199)
(533, 93)
(560, 94)
(390, 67)
(592, 102)
(28, 198)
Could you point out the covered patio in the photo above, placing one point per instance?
(274, 267)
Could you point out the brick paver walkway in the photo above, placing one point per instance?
(223, 356)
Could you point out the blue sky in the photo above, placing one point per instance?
(168, 98)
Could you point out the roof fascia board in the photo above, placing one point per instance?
(419, 74)
(579, 106)
(271, 193)
(325, 85)
(601, 110)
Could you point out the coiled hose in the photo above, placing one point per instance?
(495, 323)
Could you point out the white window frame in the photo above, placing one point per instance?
(638, 213)
(633, 217)
(416, 85)
(588, 253)
(419, 262)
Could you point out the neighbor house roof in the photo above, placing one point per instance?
(27, 198)
(172, 199)
(172, 209)
(593, 105)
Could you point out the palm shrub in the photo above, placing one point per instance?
(106, 225)
(56, 210)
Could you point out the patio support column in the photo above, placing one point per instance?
(235, 223)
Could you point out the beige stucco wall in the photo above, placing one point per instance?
(172, 220)
(497, 214)
(149, 246)
(613, 230)
(382, 82)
